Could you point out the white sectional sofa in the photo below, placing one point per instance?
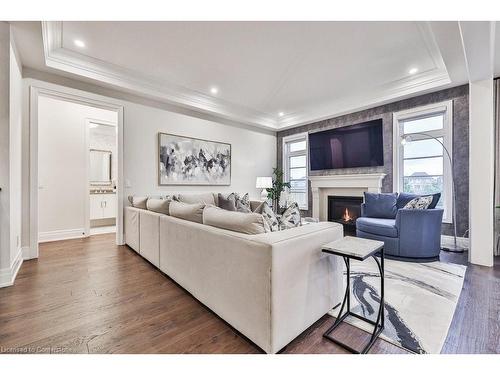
(269, 286)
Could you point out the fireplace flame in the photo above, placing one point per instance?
(346, 216)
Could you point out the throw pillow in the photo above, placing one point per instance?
(381, 205)
(419, 203)
(159, 205)
(269, 216)
(242, 202)
(206, 198)
(242, 207)
(227, 203)
(290, 218)
(191, 212)
(252, 223)
(138, 202)
(404, 198)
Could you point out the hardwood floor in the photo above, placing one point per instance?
(91, 296)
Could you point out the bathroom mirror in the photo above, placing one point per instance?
(100, 167)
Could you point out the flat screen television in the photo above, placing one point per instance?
(359, 145)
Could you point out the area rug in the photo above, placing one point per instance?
(420, 300)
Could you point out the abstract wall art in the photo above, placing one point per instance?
(192, 161)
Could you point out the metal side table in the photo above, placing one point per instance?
(358, 249)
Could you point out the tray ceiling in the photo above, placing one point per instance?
(268, 74)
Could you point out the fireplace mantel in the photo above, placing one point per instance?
(341, 185)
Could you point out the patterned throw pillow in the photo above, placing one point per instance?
(242, 203)
(270, 218)
(290, 217)
(420, 203)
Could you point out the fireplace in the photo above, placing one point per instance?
(345, 210)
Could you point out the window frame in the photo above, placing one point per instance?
(286, 154)
(445, 108)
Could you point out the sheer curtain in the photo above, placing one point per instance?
(497, 166)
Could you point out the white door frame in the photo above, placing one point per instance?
(76, 96)
(89, 121)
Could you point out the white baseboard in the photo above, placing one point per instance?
(103, 230)
(58, 235)
(448, 240)
(28, 253)
(8, 275)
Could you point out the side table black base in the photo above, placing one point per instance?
(378, 325)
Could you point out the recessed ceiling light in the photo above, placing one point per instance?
(413, 70)
(79, 43)
(281, 114)
(214, 90)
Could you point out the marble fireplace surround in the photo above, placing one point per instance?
(341, 185)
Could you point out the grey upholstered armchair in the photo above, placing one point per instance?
(408, 234)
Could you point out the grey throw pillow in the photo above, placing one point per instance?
(191, 212)
(138, 201)
(252, 223)
(419, 203)
(290, 218)
(227, 203)
(159, 205)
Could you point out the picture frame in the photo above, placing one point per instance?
(183, 160)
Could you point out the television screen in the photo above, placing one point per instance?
(352, 146)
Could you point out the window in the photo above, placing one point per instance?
(421, 165)
(295, 167)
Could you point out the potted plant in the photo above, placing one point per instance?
(278, 187)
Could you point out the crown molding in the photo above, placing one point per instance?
(60, 58)
(424, 83)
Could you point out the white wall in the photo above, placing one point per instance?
(10, 158)
(253, 152)
(481, 173)
(62, 158)
(4, 152)
(16, 92)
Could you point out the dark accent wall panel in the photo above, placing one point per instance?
(460, 97)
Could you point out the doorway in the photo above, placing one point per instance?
(60, 160)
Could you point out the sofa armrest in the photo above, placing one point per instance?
(426, 219)
(419, 231)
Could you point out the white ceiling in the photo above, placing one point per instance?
(307, 70)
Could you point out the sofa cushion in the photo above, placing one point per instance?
(381, 227)
(207, 198)
(227, 203)
(192, 212)
(404, 198)
(251, 223)
(381, 205)
(159, 205)
(138, 201)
